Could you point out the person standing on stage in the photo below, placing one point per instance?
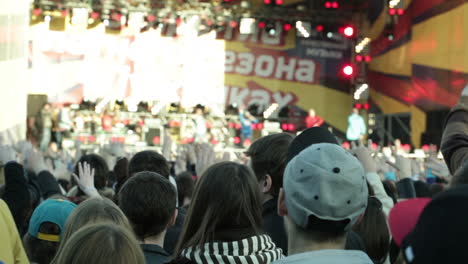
(356, 126)
(313, 120)
(107, 121)
(200, 124)
(45, 121)
(246, 119)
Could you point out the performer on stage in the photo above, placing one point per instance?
(246, 119)
(313, 120)
(356, 126)
(200, 124)
(107, 121)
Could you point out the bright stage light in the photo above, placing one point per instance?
(348, 31)
(348, 70)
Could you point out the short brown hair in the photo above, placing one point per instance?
(149, 201)
(268, 156)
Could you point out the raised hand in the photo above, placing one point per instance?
(33, 160)
(85, 179)
(364, 156)
(7, 153)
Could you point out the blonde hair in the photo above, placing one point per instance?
(101, 243)
(93, 211)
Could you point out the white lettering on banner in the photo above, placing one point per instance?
(236, 95)
(262, 71)
(306, 71)
(269, 66)
(246, 62)
(282, 67)
(230, 59)
(258, 95)
(283, 100)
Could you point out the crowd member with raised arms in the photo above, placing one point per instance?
(149, 201)
(224, 222)
(268, 158)
(324, 194)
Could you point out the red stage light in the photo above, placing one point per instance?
(401, 11)
(284, 126)
(328, 4)
(94, 15)
(151, 18)
(238, 126)
(291, 127)
(346, 145)
(279, 2)
(366, 106)
(359, 58)
(367, 58)
(260, 126)
(358, 106)
(348, 31)
(261, 24)
(267, 2)
(425, 148)
(233, 24)
(348, 70)
(287, 27)
(236, 140)
(156, 140)
(335, 5)
(36, 11)
(392, 11)
(64, 12)
(319, 28)
(117, 17)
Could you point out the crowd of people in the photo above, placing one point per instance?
(287, 199)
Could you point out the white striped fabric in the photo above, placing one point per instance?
(251, 250)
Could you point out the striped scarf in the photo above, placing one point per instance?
(251, 250)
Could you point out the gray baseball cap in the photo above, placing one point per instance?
(325, 181)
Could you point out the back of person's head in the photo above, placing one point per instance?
(324, 194)
(149, 160)
(226, 197)
(101, 243)
(93, 211)
(100, 167)
(373, 229)
(149, 202)
(460, 176)
(422, 189)
(268, 157)
(45, 229)
(441, 233)
(185, 185)
(436, 189)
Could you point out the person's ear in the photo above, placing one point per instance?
(267, 184)
(282, 210)
(173, 218)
